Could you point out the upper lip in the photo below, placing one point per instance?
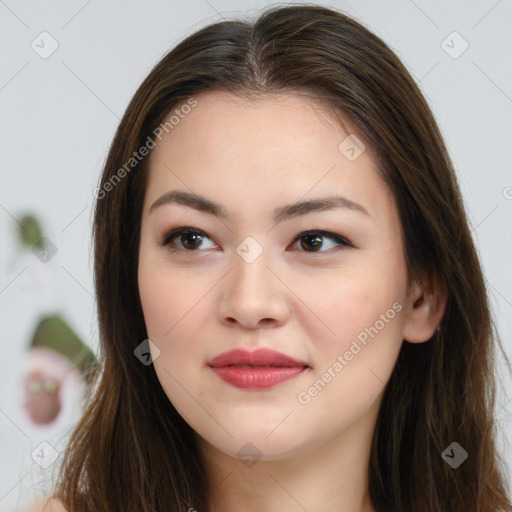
(259, 357)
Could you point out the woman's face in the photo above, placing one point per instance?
(335, 301)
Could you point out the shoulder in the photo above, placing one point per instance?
(52, 505)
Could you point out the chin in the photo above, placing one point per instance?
(252, 445)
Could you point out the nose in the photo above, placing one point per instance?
(253, 296)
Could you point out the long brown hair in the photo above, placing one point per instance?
(131, 450)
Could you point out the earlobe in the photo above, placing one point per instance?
(425, 309)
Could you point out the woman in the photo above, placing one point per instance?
(292, 311)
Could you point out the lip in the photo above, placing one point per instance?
(259, 369)
(259, 357)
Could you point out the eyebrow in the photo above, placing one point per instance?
(281, 214)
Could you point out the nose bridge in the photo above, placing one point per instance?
(252, 293)
(250, 274)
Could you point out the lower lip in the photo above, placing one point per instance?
(257, 378)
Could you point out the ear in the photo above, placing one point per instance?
(425, 308)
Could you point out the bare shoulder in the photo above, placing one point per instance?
(51, 505)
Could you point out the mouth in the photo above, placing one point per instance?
(257, 377)
(260, 366)
(262, 357)
(260, 369)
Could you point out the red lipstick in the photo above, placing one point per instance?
(260, 369)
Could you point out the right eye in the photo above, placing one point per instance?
(184, 239)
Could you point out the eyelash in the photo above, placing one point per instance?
(174, 233)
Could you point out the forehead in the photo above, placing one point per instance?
(271, 145)
(294, 123)
(218, 113)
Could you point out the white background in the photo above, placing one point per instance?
(58, 116)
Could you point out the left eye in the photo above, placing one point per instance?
(314, 240)
(190, 240)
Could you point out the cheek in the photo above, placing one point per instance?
(352, 365)
(346, 303)
(174, 315)
(361, 321)
(169, 297)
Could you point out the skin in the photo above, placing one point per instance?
(253, 158)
